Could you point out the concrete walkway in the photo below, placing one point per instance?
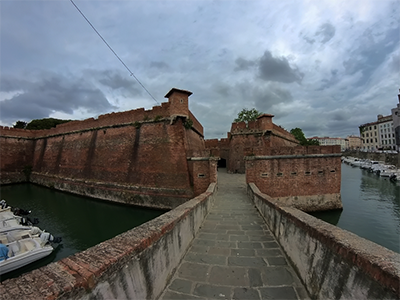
(234, 255)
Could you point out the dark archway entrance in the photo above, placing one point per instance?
(222, 163)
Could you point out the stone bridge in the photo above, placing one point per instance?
(231, 242)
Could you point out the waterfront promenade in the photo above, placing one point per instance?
(234, 255)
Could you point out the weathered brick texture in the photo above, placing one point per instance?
(146, 150)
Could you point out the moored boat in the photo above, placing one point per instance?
(23, 252)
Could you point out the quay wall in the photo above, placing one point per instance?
(388, 158)
(332, 263)
(307, 178)
(136, 264)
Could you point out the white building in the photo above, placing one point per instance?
(330, 141)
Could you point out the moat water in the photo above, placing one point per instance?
(371, 207)
(81, 222)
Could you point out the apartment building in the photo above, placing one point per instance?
(370, 137)
(387, 139)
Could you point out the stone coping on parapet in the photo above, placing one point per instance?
(267, 157)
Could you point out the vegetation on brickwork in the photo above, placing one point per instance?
(157, 118)
(188, 123)
(137, 124)
(146, 118)
(246, 115)
(299, 135)
(27, 171)
(40, 124)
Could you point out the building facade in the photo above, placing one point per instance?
(386, 133)
(331, 141)
(370, 137)
(354, 142)
(396, 124)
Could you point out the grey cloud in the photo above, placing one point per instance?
(372, 51)
(309, 40)
(116, 81)
(243, 64)
(327, 83)
(278, 69)
(51, 93)
(396, 63)
(159, 65)
(326, 32)
(269, 95)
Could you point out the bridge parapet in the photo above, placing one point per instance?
(331, 262)
(134, 265)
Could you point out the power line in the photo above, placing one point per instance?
(130, 72)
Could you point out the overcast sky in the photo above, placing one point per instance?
(323, 66)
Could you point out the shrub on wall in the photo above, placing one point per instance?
(188, 123)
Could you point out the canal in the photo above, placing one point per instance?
(371, 207)
(81, 222)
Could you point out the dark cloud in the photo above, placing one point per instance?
(326, 32)
(243, 64)
(114, 80)
(159, 65)
(51, 93)
(278, 69)
(268, 96)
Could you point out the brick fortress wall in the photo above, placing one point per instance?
(138, 156)
(307, 178)
(255, 136)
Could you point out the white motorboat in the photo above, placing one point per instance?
(9, 220)
(23, 252)
(24, 244)
(25, 247)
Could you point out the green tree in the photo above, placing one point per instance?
(20, 124)
(299, 135)
(44, 123)
(246, 115)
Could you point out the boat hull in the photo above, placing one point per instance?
(18, 261)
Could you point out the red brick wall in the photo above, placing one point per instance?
(16, 154)
(296, 175)
(152, 155)
(140, 148)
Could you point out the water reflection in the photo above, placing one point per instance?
(81, 222)
(371, 207)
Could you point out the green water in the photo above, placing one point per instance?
(81, 222)
(371, 207)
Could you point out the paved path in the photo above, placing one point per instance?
(234, 255)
